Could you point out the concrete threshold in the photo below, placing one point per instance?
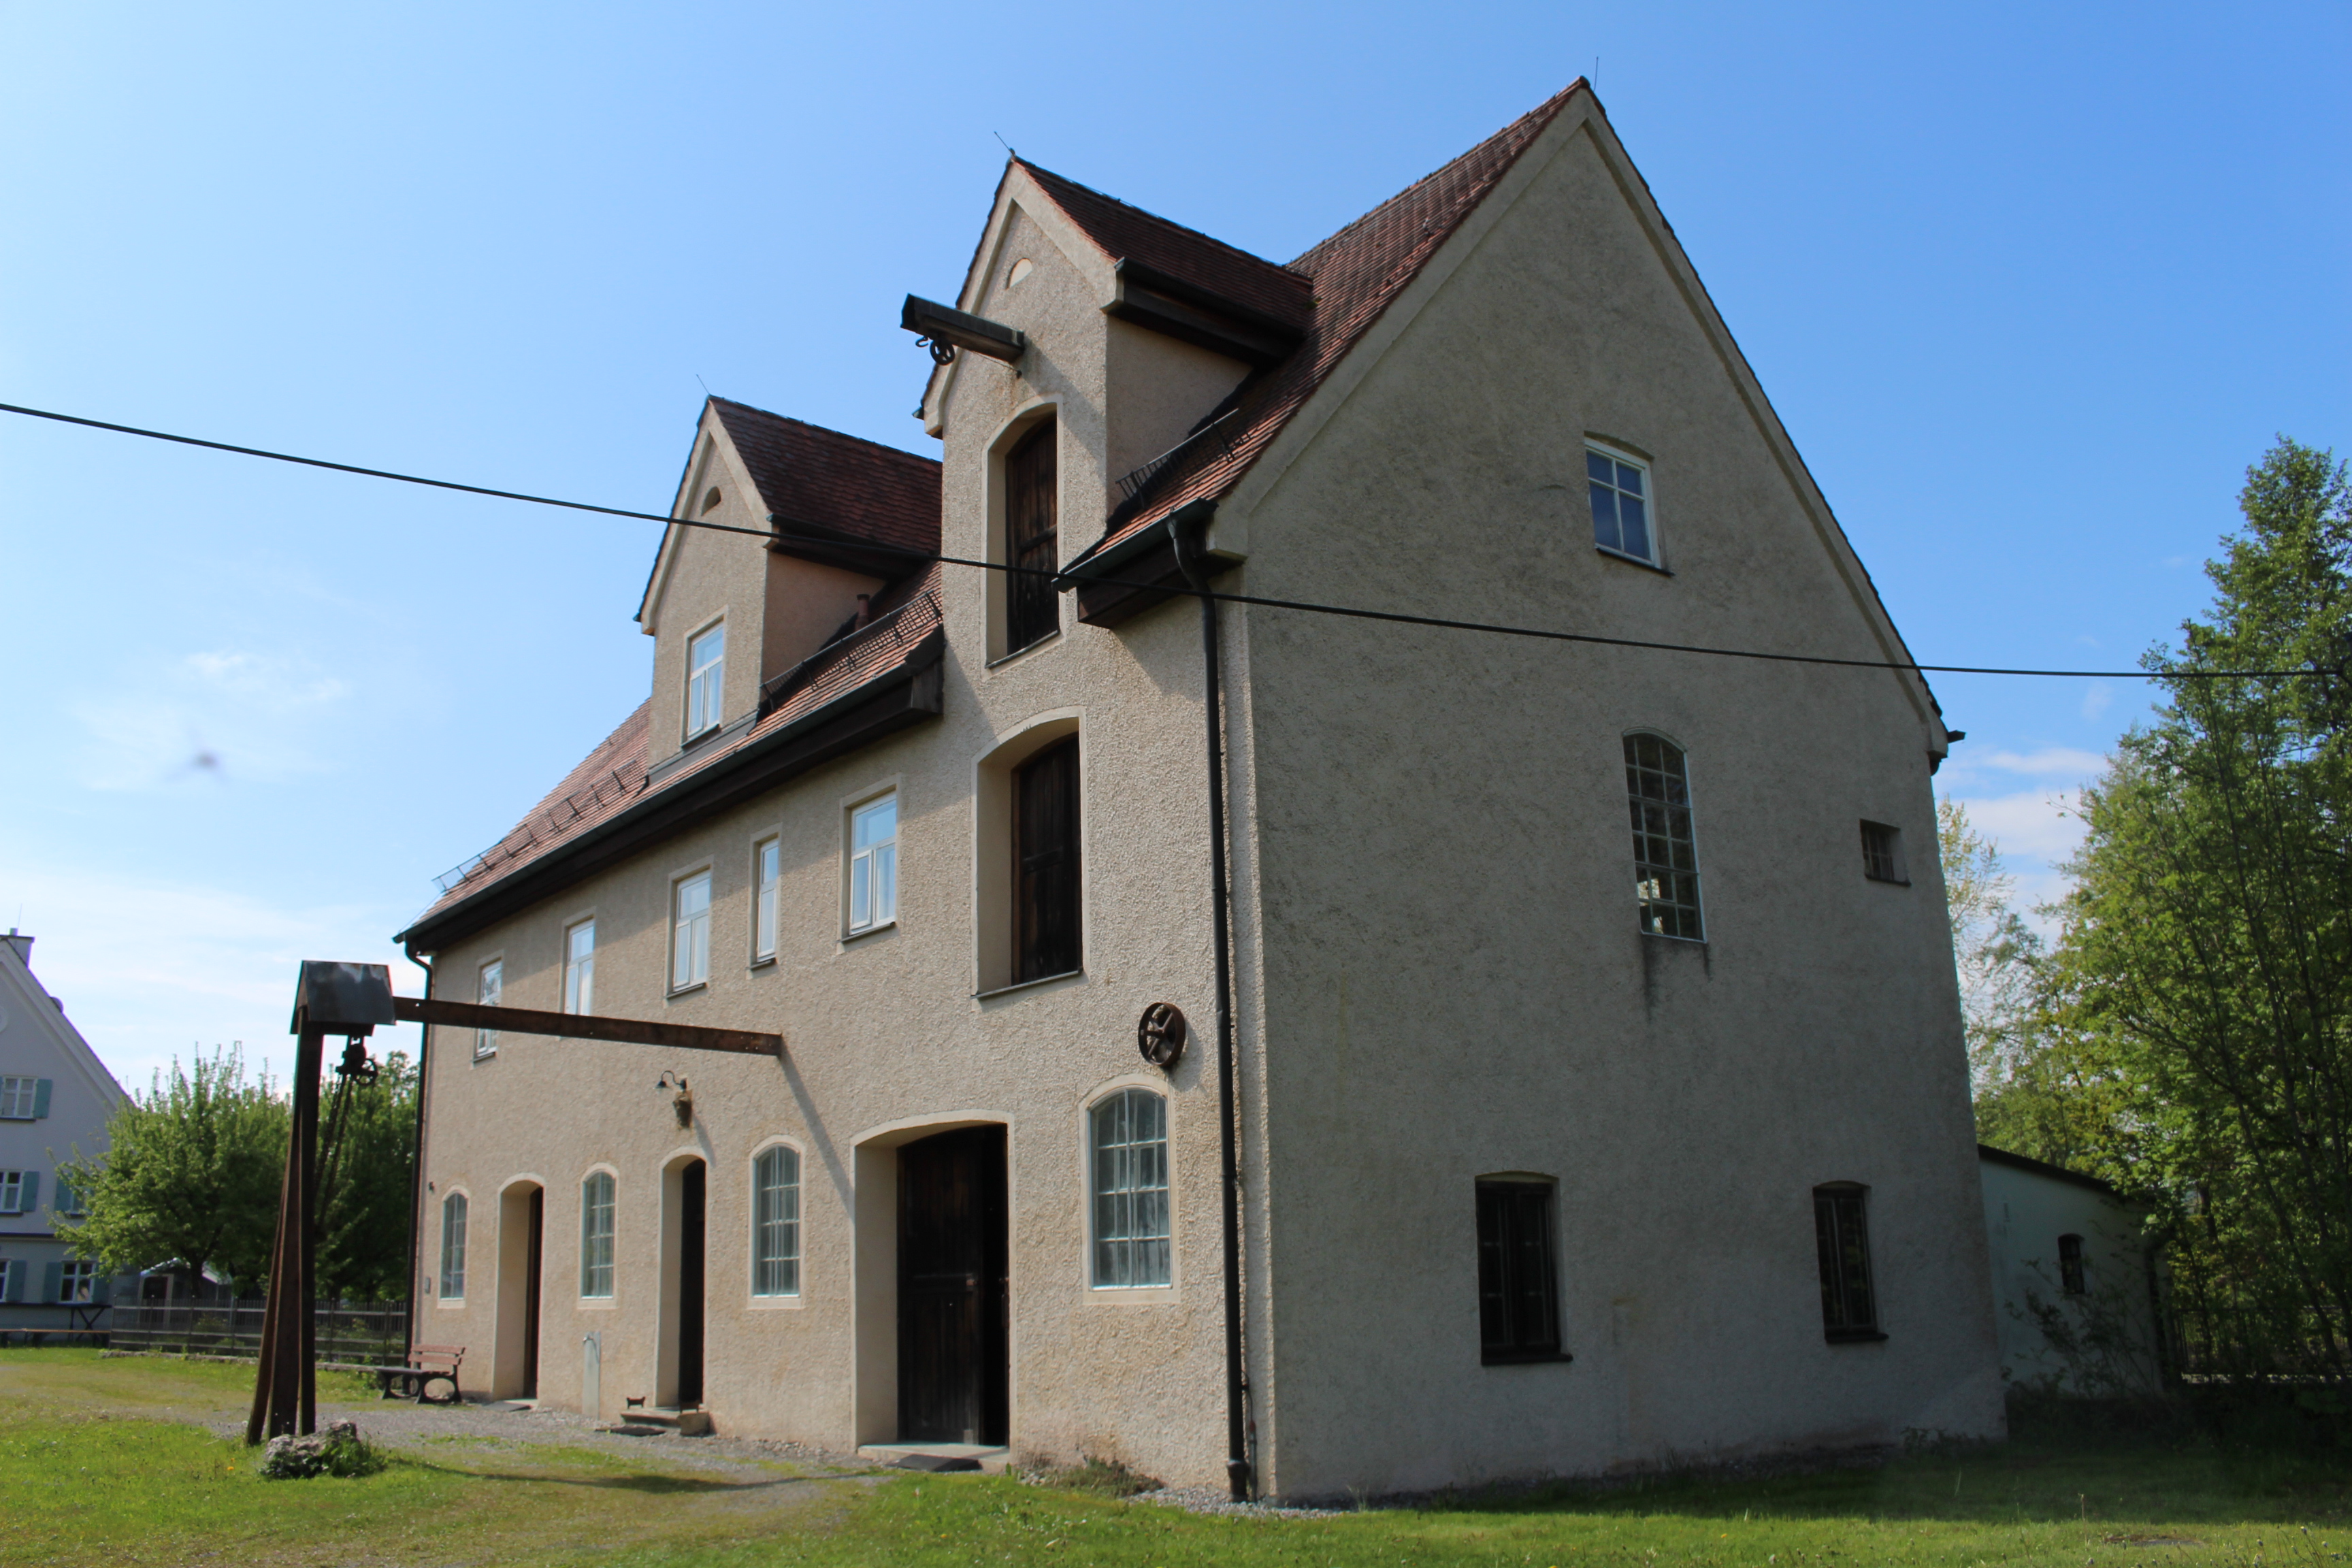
(939, 1458)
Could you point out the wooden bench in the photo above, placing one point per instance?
(426, 1366)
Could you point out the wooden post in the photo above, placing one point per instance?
(285, 1392)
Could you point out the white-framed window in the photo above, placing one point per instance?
(874, 864)
(453, 1248)
(1623, 511)
(580, 967)
(78, 1280)
(1665, 849)
(1129, 1135)
(768, 877)
(776, 1223)
(19, 1191)
(706, 678)
(24, 1098)
(596, 1234)
(488, 989)
(689, 954)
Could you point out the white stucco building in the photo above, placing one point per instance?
(2079, 1290)
(54, 1100)
(1598, 1098)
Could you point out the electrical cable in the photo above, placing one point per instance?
(777, 531)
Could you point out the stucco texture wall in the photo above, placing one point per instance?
(2110, 1337)
(1453, 984)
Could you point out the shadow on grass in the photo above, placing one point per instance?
(646, 1483)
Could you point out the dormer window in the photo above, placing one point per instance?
(706, 676)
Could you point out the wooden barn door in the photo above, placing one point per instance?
(954, 1356)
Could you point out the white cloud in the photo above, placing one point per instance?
(150, 970)
(2096, 700)
(2036, 831)
(221, 713)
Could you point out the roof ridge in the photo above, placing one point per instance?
(1168, 223)
(883, 446)
(1533, 121)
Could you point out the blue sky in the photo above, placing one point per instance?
(2029, 286)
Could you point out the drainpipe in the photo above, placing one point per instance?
(417, 1172)
(1237, 1463)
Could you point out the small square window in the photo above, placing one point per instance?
(1882, 853)
(874, 865)
(78, 1281)
(1622, 504)
(19, 1099)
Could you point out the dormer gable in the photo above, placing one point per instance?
(794, 533)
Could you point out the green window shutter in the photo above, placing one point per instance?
(101, 1290)
(17, 1279)
(62, 1200)
(31, 1201)
(41, 1097)
(52, 1277)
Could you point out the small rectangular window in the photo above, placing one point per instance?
(2071, 1276)
(78, 1281)
(20, 1099)
(706, 679)
(767, 859)
(453, 1248)
(1882, 853)
(689, 958)
(490, 986)
(1620, 490)
(596, 1236)
(776, 1223)
(874, 865)
(1130, 1132)
(12, 1191)
(1665, 849)
(580, 968)
(1519, 1287)
(1849, 1309)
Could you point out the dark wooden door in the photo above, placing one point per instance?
(1045, 849)
(693, 1185)
(534, 1260)
(1032, 610)
(953, 1353)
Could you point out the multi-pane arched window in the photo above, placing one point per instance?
(453, 1248)
(1666, 855)
(1129, 1133)
(776, 1223)
(596, 1234)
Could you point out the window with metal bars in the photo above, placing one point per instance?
(1841, 1231)
(1045, 863)
(1032, 611)
(1666, 852)
(1882, 853)
(1518, 1290)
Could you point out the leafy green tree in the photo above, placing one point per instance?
(2200, 992)
(365, 1185)
(190, 1176)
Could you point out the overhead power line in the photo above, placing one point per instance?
(780, 530)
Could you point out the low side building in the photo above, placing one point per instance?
(2079, 1293)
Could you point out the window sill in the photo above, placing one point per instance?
(451, 1303)
(686, 990)
(598, 1303)
(1669, 936)
(767, 962)
(775, 1303)
(1545, 1358)
(489, 1056)
(1853, 1336)
(706, 732)
(849, 936)
(1887, 882)
(1027, 985)
(1631, 560)
(1046, 641)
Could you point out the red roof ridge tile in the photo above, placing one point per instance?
(1049, 179)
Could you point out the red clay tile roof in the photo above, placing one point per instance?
(1356, 273)
(613, 777)
(825, 482)
(1124, 233)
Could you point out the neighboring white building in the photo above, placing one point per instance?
(2078, 1294)
(54, 1100)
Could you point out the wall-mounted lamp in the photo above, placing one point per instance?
(684, 1103)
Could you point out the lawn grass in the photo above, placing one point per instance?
(112, 1462)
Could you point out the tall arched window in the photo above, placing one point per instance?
(1129, 1135)
(453, 1248)
(1666, 855)
(596, 1234)
(1032, 610)
(776, 1223)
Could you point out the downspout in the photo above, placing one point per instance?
(1237, 1463)
(416, 1171)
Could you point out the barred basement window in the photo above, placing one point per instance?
(1666, 853)
(1130, 1133)
(596, 1236)
(776, 1223)
(1882, 853)
(1518, 1289)
(2070, 1265)
(453, 1248)
(1849, 1307)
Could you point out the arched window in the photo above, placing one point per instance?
(1130, 1138)
(776, 1223)
(596, 1234)
(453, 1248)
(2070, 1265)
(1666, 855)
(1032, 610)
